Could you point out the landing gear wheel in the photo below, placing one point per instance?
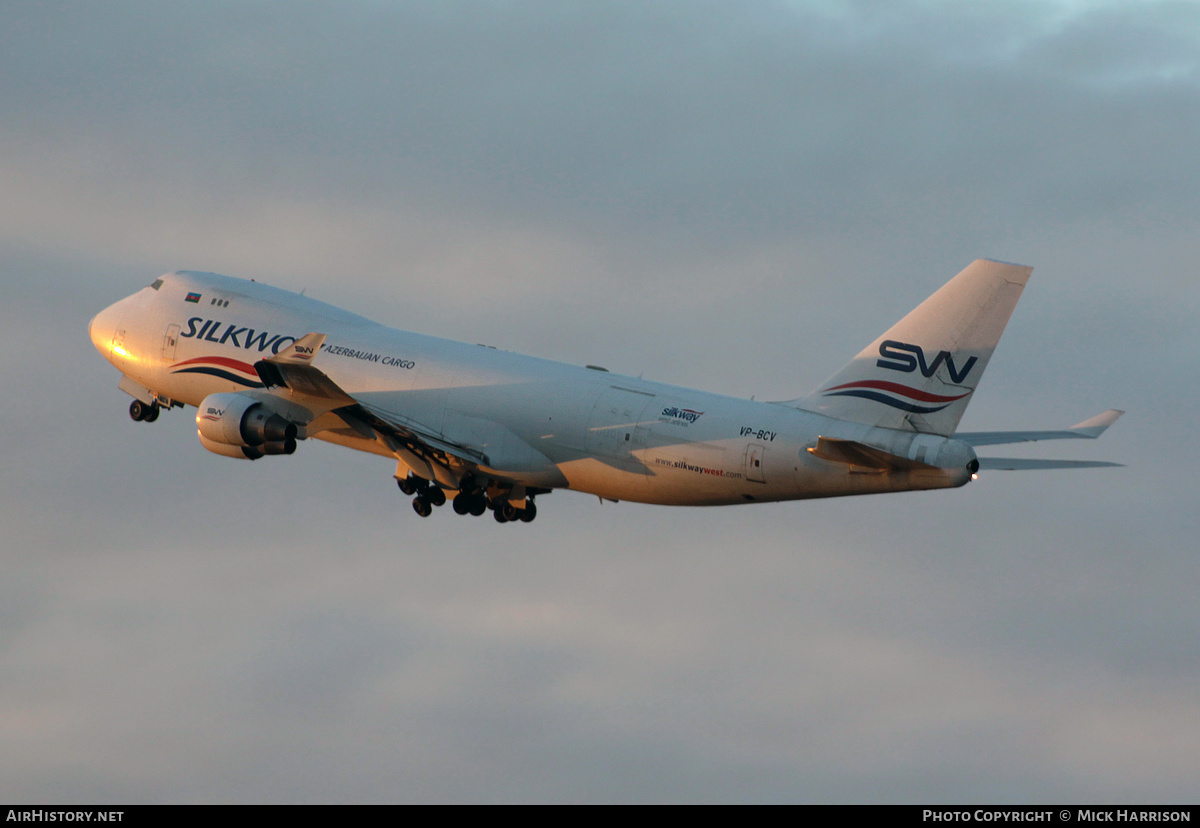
(151, 413)
(527, 514)
(508, 510)
(421, 506)
(478, 505)
(462, 504)
(408, 485)
(435, 496)
(137, 410)
(498, 514)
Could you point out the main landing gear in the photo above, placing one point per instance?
(427, 494)
(466, 503)
(143, 412)
(469, 501)
(505, 512)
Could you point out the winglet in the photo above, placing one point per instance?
(1094, 426)
(300, 352)
(292, 369)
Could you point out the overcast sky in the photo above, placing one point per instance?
(731, 196)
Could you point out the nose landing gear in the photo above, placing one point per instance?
(143, 412)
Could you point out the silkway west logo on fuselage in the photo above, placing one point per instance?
(233, 335)
(250, 339)
(683, 416)
(907, 358)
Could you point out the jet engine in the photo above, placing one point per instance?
(238, 425)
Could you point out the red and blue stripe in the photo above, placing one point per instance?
(222, 367)
(894, 394)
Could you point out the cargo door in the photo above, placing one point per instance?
(754, 463)
(616, 426)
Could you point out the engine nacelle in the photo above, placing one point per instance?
(226, 450)
(237, 425)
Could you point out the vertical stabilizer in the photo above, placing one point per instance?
(921, 373)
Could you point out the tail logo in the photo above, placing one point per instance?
(901, 356)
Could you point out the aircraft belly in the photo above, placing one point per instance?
(605, 478)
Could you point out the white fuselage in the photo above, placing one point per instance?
(542, 423)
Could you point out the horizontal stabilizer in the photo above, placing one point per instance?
(1089, 429)
(1024, 464)
(854, 453)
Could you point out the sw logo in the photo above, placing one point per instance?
(907, 358)
(901, 356)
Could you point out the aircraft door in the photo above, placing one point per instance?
(616, 426)
(170, 340)
(754, 463)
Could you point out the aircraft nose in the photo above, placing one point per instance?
(102, 328)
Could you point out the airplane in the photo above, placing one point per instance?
(488, 429)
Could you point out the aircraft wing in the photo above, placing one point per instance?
(419, 447)
(1089, 429)
(464, 443)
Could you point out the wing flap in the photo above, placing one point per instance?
(400, 432)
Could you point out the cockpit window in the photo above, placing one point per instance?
(156, 284)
